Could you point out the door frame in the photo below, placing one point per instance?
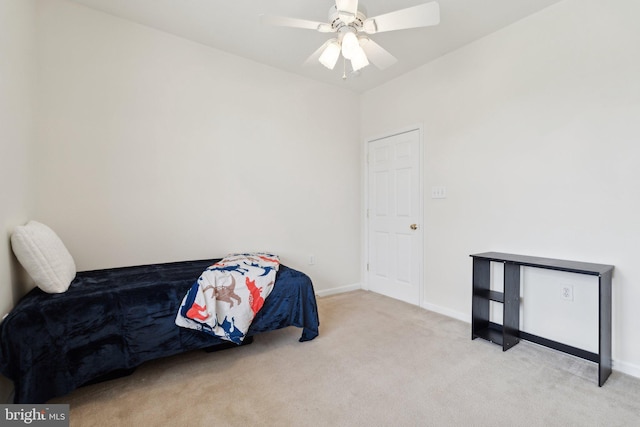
(365, 201)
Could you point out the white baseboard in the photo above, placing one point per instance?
(626, 368)
(447, 312)
(339, 290)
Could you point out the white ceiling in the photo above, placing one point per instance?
(234, 27)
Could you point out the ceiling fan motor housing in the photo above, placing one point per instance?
(337, 24)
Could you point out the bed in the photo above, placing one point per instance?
(109, 321)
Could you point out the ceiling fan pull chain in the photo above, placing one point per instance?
(344, 68)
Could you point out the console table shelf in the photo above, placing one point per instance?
(508, 334)
(490, 295)
(491, 333)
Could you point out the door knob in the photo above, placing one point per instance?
(413, 226)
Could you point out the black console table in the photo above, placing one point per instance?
(508, 334)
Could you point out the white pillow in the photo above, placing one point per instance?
(44, 256)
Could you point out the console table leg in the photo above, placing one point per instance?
(511, 321)
(480, 310)
(605, 363)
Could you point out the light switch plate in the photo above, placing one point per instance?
(438, 192)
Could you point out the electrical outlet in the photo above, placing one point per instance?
(312, 259)
(567, 292)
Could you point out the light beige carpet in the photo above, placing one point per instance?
(377, 362)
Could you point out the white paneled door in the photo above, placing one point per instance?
(394, 215)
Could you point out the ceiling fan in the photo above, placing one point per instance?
(352, 30)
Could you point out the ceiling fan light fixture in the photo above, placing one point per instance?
(359, 59)
(349, 45)
(330, 55)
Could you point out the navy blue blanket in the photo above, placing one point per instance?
(116, 319)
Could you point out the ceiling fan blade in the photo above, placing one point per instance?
(376, 54)
(423, 15)
(285, 21)
(347, 10)
(314, 58)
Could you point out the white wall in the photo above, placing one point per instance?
(17, 67)
(534, 132)
(152, 148)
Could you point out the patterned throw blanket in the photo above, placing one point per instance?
(227, 295)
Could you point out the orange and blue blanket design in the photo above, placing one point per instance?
(228, 294)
